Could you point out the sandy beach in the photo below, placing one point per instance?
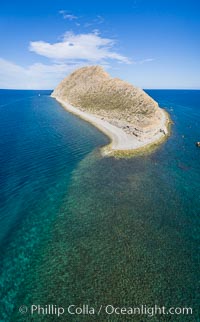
(120, 140)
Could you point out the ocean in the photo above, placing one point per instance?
(80, 229)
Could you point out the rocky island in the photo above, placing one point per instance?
(130, 117)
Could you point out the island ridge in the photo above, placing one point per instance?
(130, 117)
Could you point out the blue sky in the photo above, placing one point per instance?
(152, 44)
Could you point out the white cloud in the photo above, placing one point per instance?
(97, 21)
(35, 76)
(146, 60)
(100, 20)
(73, 51)
(89, 47)
(67, 15)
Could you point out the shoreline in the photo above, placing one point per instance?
(121, 144)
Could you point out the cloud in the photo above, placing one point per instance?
(146, 60)
(67, 16)
(89, 47)
(72, 52)
(97, 21)
(35, 76)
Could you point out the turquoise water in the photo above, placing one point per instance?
(77, 228)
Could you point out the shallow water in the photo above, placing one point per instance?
(102, 231)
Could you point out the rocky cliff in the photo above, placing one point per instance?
(92, 90)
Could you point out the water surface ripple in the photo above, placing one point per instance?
(82, 229)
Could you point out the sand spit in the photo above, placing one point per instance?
(120, 140)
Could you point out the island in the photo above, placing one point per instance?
(126, 114)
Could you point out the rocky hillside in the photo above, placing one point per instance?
(91, 89)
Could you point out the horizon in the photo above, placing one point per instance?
(52, 89)
(152, 45)
(151, 89)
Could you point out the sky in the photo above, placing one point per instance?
(149, 43)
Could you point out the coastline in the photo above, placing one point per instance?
(121, 144)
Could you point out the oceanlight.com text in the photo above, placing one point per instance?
(111, 310)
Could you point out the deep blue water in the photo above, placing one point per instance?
(40, 146)
(79, 228)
